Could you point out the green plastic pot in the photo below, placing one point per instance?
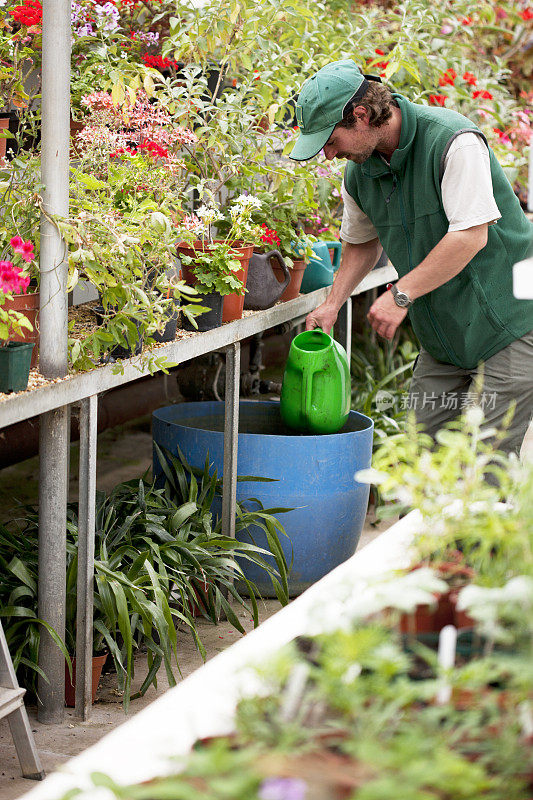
(15, 360)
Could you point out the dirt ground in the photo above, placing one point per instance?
(123, 453)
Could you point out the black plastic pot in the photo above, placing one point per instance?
(15, 359)
(169, 332)
(210, 319)
(119, 351)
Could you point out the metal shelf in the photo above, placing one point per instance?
(75, 388)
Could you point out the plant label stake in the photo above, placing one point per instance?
(446, 658)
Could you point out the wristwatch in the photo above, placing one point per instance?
(400, 298)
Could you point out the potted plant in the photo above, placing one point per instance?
(218, 268)
(296, 248)
(263, 288)
(15, 356)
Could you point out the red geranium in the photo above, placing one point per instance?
(467, 21)
(527, 14)
(269, 236)
(30, 13)
(448, 77)
(158, 62)
(482, 93)
(381, 64)
(470, 78)
(437, 99)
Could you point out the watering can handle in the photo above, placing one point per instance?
(284, 268)
(337, 250)
(308, 386)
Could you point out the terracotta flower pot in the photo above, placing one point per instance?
(297, 274)
(233, 303)
(76, 148)
(27, 304)
(70, 685)
(429, 619)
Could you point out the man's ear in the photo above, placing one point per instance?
(361, 114)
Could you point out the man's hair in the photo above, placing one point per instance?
(378, 101)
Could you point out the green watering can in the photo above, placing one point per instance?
(316, 390)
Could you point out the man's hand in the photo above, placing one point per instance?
(322, 317)
(385, 315)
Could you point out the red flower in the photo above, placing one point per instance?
(158, 62)
(437, 99)
(482, 93)
(467, 21)
(379, 52)
(30, 13)
(527, 14)
(448, 77)
(269, 236)
(154, 149)
(470, 78)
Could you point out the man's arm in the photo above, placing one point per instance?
(357, 261)
(451, 255)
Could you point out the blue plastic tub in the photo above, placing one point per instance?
(314, 476)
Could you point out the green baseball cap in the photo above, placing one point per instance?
(321, 104)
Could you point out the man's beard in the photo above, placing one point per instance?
(357, 158)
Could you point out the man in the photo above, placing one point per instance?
(422, 183)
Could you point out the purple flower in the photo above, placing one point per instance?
(85, 30)
(108, 16)
(282, 789)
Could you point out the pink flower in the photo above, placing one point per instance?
(16, 243)
(24, 248)
(446, 28)
(12, 280)
(27, 252)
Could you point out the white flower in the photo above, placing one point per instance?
(208, 214)
(248, 201)
(474, 416)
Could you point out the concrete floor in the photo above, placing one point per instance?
(123, 453)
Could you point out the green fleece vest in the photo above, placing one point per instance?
(473, 315)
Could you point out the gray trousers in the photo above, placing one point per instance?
(440, 392)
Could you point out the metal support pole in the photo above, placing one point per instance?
(231, 433)
(86, 529)
(345, 327)
(53, 363)
(55, 132)
(53, 445)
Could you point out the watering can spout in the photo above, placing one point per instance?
(316, 390)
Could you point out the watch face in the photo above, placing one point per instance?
(402, 299)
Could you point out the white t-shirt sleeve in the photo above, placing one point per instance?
(356, 227)
(467, 193)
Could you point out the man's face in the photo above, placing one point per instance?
(356, 143)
